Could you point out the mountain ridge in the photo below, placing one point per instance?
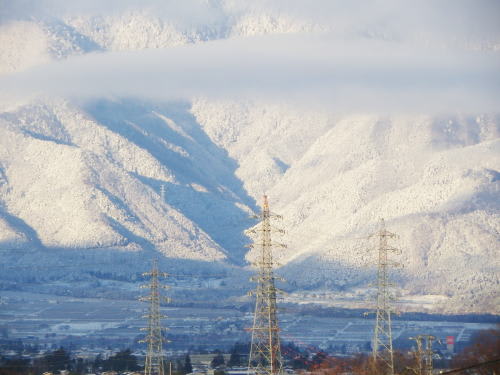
(84, 176)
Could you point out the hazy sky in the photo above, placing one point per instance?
(374, 55)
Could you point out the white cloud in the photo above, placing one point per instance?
(315, 69)
(380, 55)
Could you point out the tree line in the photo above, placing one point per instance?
(483, 353)
(485, 348)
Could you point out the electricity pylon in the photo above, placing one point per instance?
(155, 361)
(382, 352)
(162, 193)
(265, 352)
(424, 354)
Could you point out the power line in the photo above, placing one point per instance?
(481, 364)
(106, 266)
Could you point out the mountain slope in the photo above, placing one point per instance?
(79, 185)
(80, 180)
(434, 180)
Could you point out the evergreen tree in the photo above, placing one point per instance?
(79, 366)
(15, 366)
(218, 360)
(188, 368)
(121, 361)
(179, 367)
(57, 360)
(235, 359)
(98, 362)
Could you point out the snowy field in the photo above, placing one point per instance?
(50, 321)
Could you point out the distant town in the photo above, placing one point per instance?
(94, 334)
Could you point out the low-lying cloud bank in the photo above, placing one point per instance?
(314, 69)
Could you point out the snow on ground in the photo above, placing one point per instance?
(86, 176)
(434, 180)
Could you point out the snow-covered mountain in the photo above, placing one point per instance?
(81, 180)
(434, 179)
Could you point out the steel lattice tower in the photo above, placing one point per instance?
(155, 361)
(382, 335)
(265, 352)
(424, 354)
